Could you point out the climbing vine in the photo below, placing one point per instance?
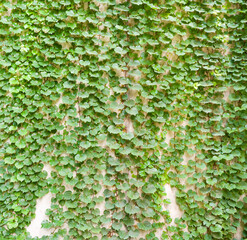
(118, 99)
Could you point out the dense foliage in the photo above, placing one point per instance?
(94, 89)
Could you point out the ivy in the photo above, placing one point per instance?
(114, 97)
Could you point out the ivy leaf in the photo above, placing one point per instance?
(68, 100)
(113, 162)
(120, 50)
(118, 215)
(117, 225)
(211, 181)
(137, 182)
(12, 223)
(137, 2)
(132, 195)
(121, 203)
(23, 132)
(216, 228)
(21, 143)
(127, 136)
(85, 199)
(108, 193)
(131, 209)
(113, 129)
(149, 189)
(145, 226)
(69, 215)
(69, 85)
(109, 205)
(132, 111)
(149, 212)
(80, 158)
(202, 230)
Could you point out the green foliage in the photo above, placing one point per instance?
(112, 96)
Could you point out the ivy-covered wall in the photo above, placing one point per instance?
(108, 105)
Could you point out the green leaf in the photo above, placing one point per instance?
(117, 225)
(127, 136)
(132, 195)
(118, 215)
(216, 228)
(113, 162)
(80, 158)
(21, 143)
(134, 233)
(12, 223)
(120, 50)
(131, 209)
(149, 189)
(113, 129)
(149, 212)
(145, 225)
(132, 111)
(202, 230)
(23, 132)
